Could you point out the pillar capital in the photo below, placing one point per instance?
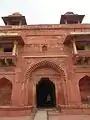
(15, 42)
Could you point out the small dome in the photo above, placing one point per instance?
(69, 13)
(16, 14)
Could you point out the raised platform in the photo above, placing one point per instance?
(83, 109)
(12, 111)
(15, 111)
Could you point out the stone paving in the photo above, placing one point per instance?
(41, 115)
(70, 117)
(16, 118)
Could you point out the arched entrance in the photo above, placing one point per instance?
(84, 85)
(45, 93)
(52, 73)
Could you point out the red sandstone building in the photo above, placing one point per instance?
(44, 65)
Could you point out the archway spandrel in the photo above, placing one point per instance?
(43, 64)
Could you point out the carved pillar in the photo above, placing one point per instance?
(14, 48)
(17, 51)
(74, 47)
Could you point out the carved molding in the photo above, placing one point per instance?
(26, 46)
(42, 64)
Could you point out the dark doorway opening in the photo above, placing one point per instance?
(45, 94)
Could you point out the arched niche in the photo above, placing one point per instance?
(84, 86)
(5, 92)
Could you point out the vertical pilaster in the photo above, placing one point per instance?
(74, 47)
(14, 48)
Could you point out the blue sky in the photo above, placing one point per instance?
(44, 11)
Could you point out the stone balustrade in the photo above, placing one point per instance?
(7, 59)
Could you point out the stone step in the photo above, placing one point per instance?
(41, 115)
(53, 112)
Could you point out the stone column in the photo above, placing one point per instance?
(74, 47)
(14, 48)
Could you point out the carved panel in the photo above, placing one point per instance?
(28, 47)
(7, 69)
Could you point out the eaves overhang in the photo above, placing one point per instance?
(74, 35)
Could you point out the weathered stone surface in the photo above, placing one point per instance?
(55, 63)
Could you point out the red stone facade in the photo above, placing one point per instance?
(45, 51)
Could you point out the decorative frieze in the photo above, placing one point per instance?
(37, 45)
(8, 34)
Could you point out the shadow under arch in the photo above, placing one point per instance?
(45, 93)
(5, 91)
(84, 86)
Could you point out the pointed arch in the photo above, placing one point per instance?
(84, 86)
(5, 92)
(43, 64)
(44, 48)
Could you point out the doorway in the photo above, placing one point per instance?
(45, 94)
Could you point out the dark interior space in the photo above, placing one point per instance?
(45, 94)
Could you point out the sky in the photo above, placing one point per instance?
(44, 11)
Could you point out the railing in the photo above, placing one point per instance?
(85, 53)
(7, 59)
(82, 58)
